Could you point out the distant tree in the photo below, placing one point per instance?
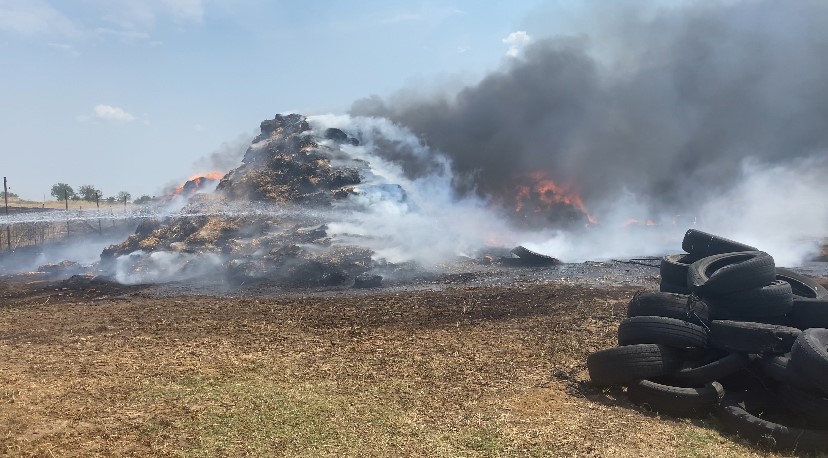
(88, 192)
(123, 196)
(75, 197)
(11, 194)
(62, 189)
(111, 199)
(143, 199)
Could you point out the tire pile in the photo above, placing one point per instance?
(731, 335)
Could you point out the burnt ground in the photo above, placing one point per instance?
(485, 363)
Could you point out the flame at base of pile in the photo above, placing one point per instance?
(539, 200)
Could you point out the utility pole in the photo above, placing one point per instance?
(66, 200)
(8, 226)
(98, 204)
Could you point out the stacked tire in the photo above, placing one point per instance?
(728, 334)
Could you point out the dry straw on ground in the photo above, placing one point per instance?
(488, 371)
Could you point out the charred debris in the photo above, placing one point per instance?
(286, 165)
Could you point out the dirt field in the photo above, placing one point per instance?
(467, 371)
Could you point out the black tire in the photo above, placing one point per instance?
(812, 407)
(710, 372)
(809, 313)
(809, 308)
(660, 330)
(731, 272)
(809, 356)
(666, 287)
(801, 285)
(736, 418)
(699, 310)
(778, 368)
(673, 268)
(749, 337)
(702, 244)
(620, 365)
(784, 320)
(665, 304)
(676, 401)
(775, 299)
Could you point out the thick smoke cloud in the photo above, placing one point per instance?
(666, 104)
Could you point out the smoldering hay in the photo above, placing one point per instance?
(315, 202)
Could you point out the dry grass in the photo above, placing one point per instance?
(467, 372)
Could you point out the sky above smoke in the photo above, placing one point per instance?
(666, 103)
(127, 94)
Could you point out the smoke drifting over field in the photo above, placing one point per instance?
(666, 108)
(680, 110)
(402, 218)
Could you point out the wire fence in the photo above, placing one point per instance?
(14, 236)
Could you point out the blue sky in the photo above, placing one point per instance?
(129, 94)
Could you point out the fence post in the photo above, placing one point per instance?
(6, 198)
(66, 200)
(98, 214)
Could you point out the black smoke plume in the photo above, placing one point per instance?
(666, 104)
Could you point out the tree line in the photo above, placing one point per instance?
(90, 193)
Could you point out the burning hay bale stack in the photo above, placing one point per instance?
(286, 242)
(747, 342)
(153, 235)
(286, 164)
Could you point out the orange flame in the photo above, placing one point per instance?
(545, 191)
(199, 179)
(214, 175)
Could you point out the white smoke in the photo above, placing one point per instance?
(84, 250)
(621, 232)
(404, 219)
(777, 208)
(165, 266)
